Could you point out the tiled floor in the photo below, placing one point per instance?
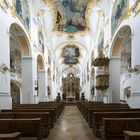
(71, 126)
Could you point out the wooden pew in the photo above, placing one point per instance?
(113, 127)
(98, 118)
(83, 105)
(91, 112)
(28, 127)
(10, 136)
(131, 135)
(89, 109)
(55, 114)
(52, 115)
(27, 115)
(58, 107)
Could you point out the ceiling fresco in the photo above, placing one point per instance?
(71, 54)
(71, 15)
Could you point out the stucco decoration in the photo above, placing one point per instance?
(126, 57)
(127, 92)
(136, 7)
(4, 4)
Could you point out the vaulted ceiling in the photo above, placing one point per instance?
(72, 23)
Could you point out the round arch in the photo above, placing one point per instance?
(118, 38)
(49, 72)
(15, 92)
(79, 45)
(40, 62)
(120, 62)
(16, 30)
(20, 59)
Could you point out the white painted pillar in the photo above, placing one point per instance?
(134, 100)
(5, 96)
(28, 87)
(42, 85)
(114, 78)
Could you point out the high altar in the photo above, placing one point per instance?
(71, 87)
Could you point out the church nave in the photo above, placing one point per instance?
(71, 126)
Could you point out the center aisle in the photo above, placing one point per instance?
(71, 126)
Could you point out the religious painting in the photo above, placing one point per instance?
(4, 4)
(100, 43)
(21, 9)
(118, 14)
(71, 54)
(126, 57)
(41, 41)
(71, 15)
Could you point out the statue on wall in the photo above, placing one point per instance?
(127, 92)
(49, 90)
(58, 97)
(83, 97)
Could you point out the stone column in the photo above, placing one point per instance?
(42, 85)
(27, 81)
(5, 95)
(114, 78)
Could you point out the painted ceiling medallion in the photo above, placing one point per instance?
(71, 15)
(71, 54)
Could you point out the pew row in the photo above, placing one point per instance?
(52, 116)
(10, 136)
(113, 127)
(131, 135)
(28, 127)
(98, 118)
(29, 115)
